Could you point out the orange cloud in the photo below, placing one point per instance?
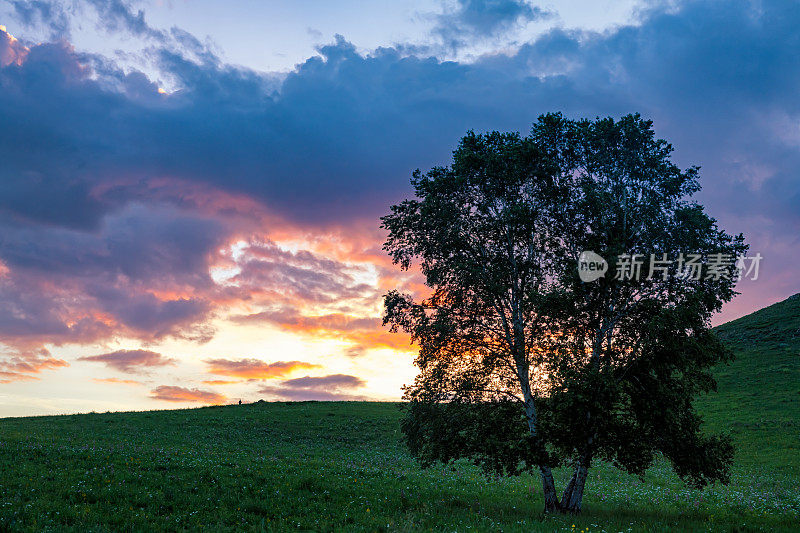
(8, 377)
(117, 381)
(19, 367)
(381, 339)
(220, 382)
(11, 51)
(365, 332)
(255, 368)
(321, 285)
(180, 394)
(35, 365)
(292, 321)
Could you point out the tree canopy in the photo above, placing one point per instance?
(523, 366)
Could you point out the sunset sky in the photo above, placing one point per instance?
(190, 190)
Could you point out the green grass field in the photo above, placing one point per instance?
(343, 467)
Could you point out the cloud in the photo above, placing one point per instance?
(58, 16)
(255, 368)
(10, 377)
(130, 361)
(334, 387)
(18, 365)
(298, 275)
(116, 199)
(291, 320)
(116, 15)
(38, 13)
(218, 124)
(11, 50)
(363, 332)
(314, 294)
(117, 381)
(363, 114)
(144, 273)
(33, 362)
(469, 20)
(180, 394)
(223, 118)
(333, 381)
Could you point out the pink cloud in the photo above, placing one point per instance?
(130, 361)
(180, 394)
(333, 387)
(11, 50)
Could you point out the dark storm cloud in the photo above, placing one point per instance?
(143, 272)
(346, 130)
(222, 128)
(140, 243)
(334, 142)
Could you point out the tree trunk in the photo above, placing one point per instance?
(573, 494)
(569, 488)
(517, 342)
(551, 503)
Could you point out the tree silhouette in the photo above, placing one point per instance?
(522, 365)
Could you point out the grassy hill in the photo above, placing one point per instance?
(342, 466)
(758, 398)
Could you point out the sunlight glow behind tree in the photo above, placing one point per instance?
(524, 366)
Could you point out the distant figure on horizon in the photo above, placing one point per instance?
(240, 401)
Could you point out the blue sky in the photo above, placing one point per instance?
(277, 35)
(201, 181)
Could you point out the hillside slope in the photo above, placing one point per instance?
(758, 396)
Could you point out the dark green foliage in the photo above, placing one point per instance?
(494, 435)
(602, 370)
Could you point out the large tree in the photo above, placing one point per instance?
(522, 365)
